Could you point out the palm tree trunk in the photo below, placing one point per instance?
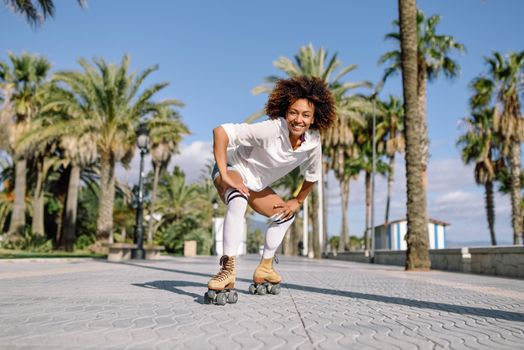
(104, 221)
(69, 234)
(391, 176)
(417, 254)
(367, 234)
(152, 210)
(344, 196)
(61, 195)
(314, 222)
(38, 200)
(516, 217)
(17, 224)
(422, 93)
(490, 211)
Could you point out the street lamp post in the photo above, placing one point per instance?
(143, 145)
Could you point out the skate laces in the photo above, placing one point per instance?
(226, 263)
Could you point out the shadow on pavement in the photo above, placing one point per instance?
(172, 286)
(457, 309)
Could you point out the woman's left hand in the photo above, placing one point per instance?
(288, 208)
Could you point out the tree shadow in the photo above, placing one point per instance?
(421, 304)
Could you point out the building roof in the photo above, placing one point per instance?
(430, 220)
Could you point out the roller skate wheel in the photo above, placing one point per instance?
(211, 294)
(252, 289)
(232, 297)
(275, 289)
(261, 289)
(207, 299)
(221, 299)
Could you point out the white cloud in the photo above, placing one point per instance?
(452, 196)
(191, 160)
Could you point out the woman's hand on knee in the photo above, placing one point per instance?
(236, 184)
(287, 209)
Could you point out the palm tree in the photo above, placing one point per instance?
(352, 168)
(55, 148)
(365, 163)
(26, 77)
(310, 62)
(417, 254)
(5, 116)
(105, 101)
(342, 152)
(43, 161)
(43, 153)
(79, 152)
(393, 123)
(480, 145)
(175, 199)
(166, 130)
(501, 87)
(37, 11)
(433, 58)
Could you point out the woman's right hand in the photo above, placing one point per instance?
(236, 183)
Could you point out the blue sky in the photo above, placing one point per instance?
(214, 52)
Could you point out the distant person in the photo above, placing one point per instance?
(250, 157)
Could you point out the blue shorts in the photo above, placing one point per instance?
(215, 173)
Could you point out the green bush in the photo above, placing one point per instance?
(29, 242)
(84, 241)
(174, 235)
(254, 240)
(203, 239)
(334, 242)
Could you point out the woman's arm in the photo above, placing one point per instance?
(220, 142)
(293, 205)
(307, 186)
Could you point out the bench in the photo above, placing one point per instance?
(122, 251)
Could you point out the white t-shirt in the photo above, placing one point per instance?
(262, 152)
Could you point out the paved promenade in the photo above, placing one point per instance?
(88, 304)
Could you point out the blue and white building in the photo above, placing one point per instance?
(391, 236)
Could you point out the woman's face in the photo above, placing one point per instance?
(300, 116)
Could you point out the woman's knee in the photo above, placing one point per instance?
(264, 202)
(222, 188)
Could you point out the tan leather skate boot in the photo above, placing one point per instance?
(265, 278)
(225, 278)
(220, 287)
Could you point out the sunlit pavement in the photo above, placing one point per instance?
(324, 304)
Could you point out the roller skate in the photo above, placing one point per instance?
(220, 287)
(265, 279)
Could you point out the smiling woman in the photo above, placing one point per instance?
(250, 157)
